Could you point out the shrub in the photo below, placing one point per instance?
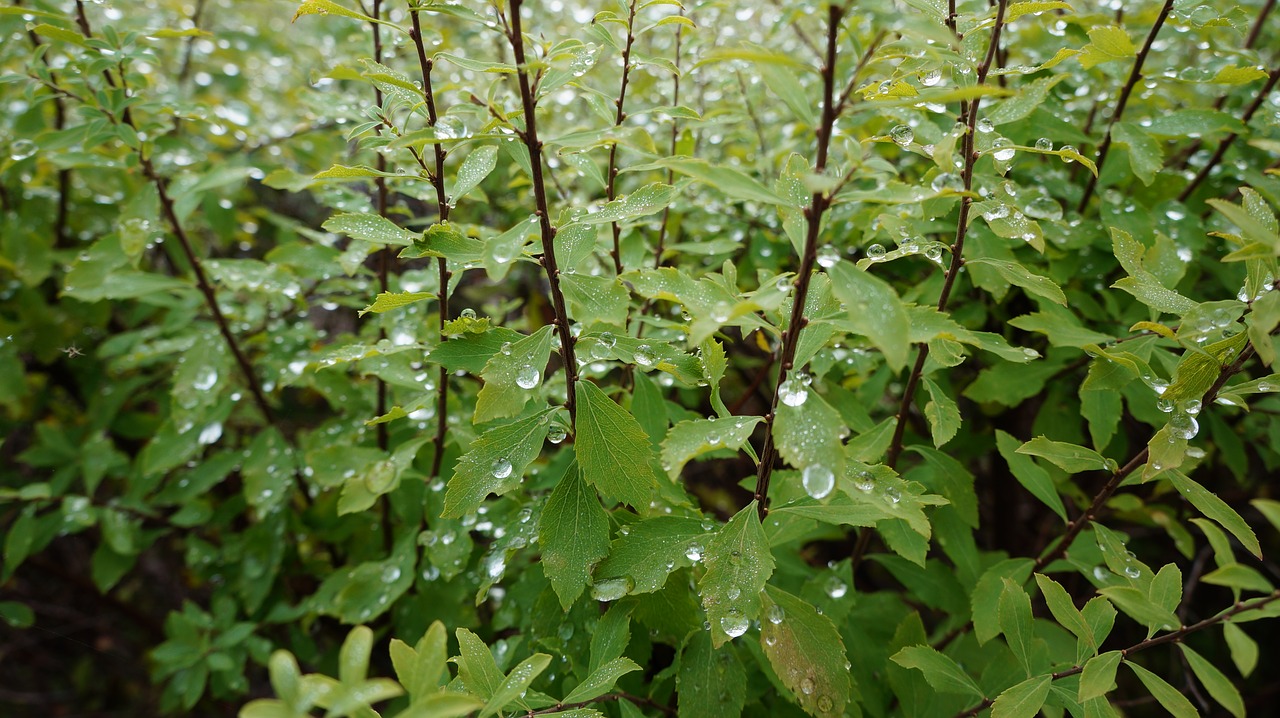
(637, 359)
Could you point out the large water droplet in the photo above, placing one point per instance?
(610, 589)
(205, 379)
(818, 480)
(1044, 208)
(734, 623)
(902, 135)
(793, 393)
(876, 252)
(22, 149)
(644, 355)
(986, 125)
(501, 468)
(828, 256)
(807, 686)
(694, 552)
(1003, 150)
(1044, 144)
(775, 614)
(390, 574)
(527, 377)
(467, 313)
(836, 588)
(1184, 426)
(931, 78)
(556, 434)
(865, 481)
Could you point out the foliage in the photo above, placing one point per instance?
(435, 358)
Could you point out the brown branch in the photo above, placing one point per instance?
(611, 189)
(1171, 637)
(425, 65)
(515, 36)
(1231, 138)
(1134, 75)
(813, 218)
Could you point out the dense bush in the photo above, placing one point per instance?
(443, 358)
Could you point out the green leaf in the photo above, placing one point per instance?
(647, 200)
(1217, 683)
(807, 654)
(370, 228)
(1107, 43)
(1216, 509)
(1023, 700)
(809, 434)
(1014, 611)
(476, 667)
(1030, 95)
(478, 164)
(875, 311)
(1168, 696)
(601, 680)
(738, 563)
(732, 182)
(387, 301)
(690, 439)
(1068, 457)
(613, 451)
(985, 599)
(1020, 276)
(1244, 650)
(328, 7)
(574, 535)
(516, 683)
(1238, 576)
(595, 299)
(1099, 675)
(17, 615)
(513, 376)
(1145, 156)
(711, 683)
(421, 669)
(495, 463)
(651, 550)
(1193, 123)
(1028, 473)
(447, 241)
(943, 674)
(1064, 610)
(942, 412)
(1138, 606)
(358, 172)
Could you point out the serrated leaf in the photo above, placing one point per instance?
(1168, 696)
(712, 684)
(1014, 612)
(943, 674)
(595, 298)
(328, 7)
(349, 172)
(942, 412)
(738, 562)
(1030, 96)
(370, 228)
(651, 550)
(613, 451)
(1070, 458)
(1064, 610)
(1020, 276)
(809, 434)
(1145, 155)
(985, 599)
(1032, 477)
(514, 685)
(478, 164)
(503, 394)
(601, 680)
(484, 468)
(647, 200)
(731, 182)
(875, 311)
(1215, 508)
(1099, 675)
(573, 534)
(447, 241)
(1107, 44)
(690, 439)
(476, 667)
(1215, 681)
(386, 301)
(1023, 700)
(807, 654)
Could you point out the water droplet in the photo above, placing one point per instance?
(947, 181)
(824, 704)
(986, 125)
(721, 312)
(527, 377)
(828, 256)
(892, 494)
(734, 623)
(836, 588)
(556, 434)
(205, 379)
(467, 313)
(1044, 208)
(1132, 571)
(818, 480)
(713, 438)
(793, 393)
(1191, 406)
(875, 252)
(390, 574)
(1003, 150)
(902, 135)
(999, 211)
(931, 78)
(783, 284)
(210, 434)
(644, 355)
(505, 349)
(733, 593)
(22, 149)
(933, 252)
(1183, 426)
(807, 686)
(611, 589)
(1067, 158)
(770, 639)
(1044, 144)
(1165, 405)
(1030, 353)
(775, 614)
(501, 468)
(1101, 574)
(694, 552)
(865, 481)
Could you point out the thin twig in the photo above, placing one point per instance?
(515, 36)
(818, 205)
(611, 179)
(1134, 75)
(425, 64)
(661, 246)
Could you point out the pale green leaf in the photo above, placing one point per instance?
(386, 301)
(690, 439)
(875, 311)
(1069, 457)
(370, 228)
(1099, 675)
(1215, 681)
(478, 164)
(1023, 700)
(1168, 696)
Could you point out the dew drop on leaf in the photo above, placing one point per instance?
(734, 623)
(610, 589)
(818, 481)
(775, 614)
(793, 393)
(527, 377)
(828, 256)
(644, 355)
(902, 135)
(501, 468)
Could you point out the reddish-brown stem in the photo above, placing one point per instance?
(548, 233)
(425, 65)
(818, 206)
(611, 189)
(1134, 75)
(1231, 138)
(1171, 637)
